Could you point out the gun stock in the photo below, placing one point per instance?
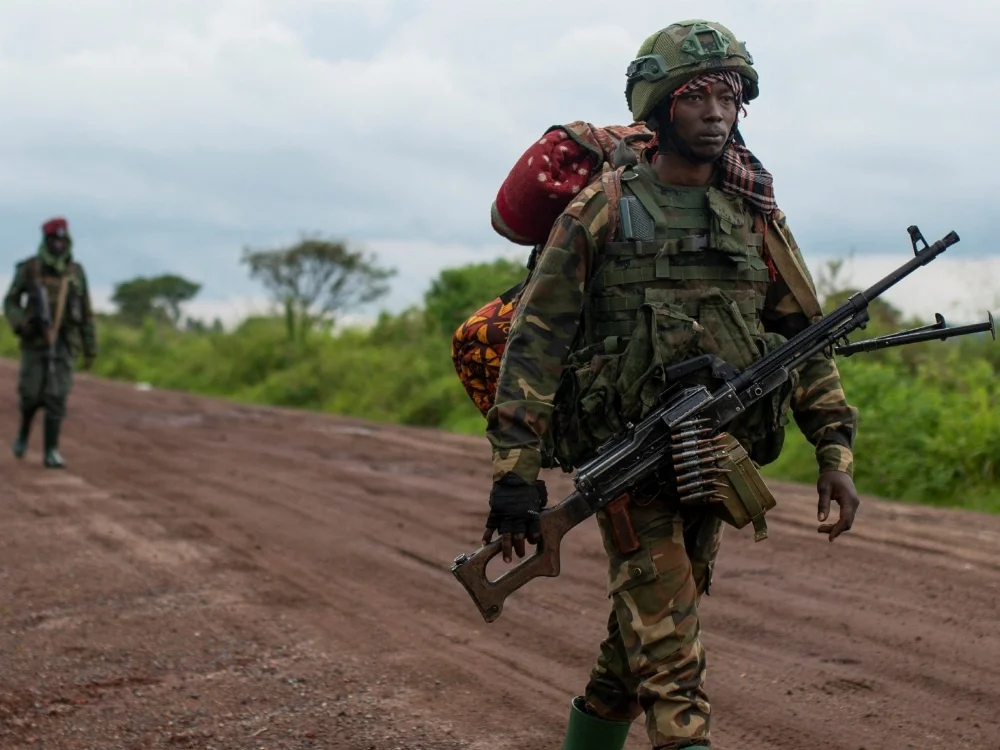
(489, 596)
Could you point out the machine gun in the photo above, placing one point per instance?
(626, 461)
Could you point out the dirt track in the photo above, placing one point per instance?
(207, 575)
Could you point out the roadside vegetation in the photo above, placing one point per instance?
(930, 413)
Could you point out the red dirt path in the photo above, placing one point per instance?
(209, 575)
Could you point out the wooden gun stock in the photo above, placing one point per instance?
(489, 596)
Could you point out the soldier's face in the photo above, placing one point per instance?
(57, 245)
(703, 119)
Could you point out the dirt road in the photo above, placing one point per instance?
(208, 575)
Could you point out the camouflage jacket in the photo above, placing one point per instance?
(76, 332)
(546, 322)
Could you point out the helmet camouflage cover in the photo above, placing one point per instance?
(678, 53)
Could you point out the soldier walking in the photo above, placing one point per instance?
(48, 307)
(684, 268)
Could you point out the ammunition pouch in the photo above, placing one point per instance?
(745, 498)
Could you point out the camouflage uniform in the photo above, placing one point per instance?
(40, 387)
(579, 308)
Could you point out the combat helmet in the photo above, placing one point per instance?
(679, 52)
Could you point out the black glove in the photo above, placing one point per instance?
(515, 506)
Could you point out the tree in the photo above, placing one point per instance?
(316, 279)
(159, 297)
(458, 292)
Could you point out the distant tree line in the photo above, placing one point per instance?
(313, 281)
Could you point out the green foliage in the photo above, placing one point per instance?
(458, 292)
(160, 297)
(315, 279)
(928, 428)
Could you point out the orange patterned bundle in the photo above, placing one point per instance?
(477, 346)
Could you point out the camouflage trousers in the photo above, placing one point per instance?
(652, 659)
(34, 387)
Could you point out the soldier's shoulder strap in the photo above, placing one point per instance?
(791, 266)
(611, 183)
(34, 268)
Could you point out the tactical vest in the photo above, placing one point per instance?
(73, 316)
(682, 274)
(686, 240)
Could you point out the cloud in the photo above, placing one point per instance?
(173, 134)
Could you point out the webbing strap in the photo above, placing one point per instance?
(625, 303)
(640, 249)
(662, 268)
(604, 329)
(632, 302)
(792, 271)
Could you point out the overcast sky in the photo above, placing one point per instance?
(172, 134)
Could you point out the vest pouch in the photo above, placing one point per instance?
(729, 227)
(745, 497)
(585, 413)
(664, 335)
(725, 331)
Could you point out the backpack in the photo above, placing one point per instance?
(538, 188)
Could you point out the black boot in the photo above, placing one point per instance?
(52, 458)
(21, 441)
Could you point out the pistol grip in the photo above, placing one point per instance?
(622, 529)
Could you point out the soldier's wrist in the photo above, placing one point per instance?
(524, 462)
(835, 457)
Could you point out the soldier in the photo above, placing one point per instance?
(608, 305)
(48, 307)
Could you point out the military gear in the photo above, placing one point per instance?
(20, 446)
(21, 304)
(56, 227)
(553, 310)
(692, 280)
(744, 496)
(52, 458)
(515, 505)
(679, 52)
(586, 731)
(550, 173)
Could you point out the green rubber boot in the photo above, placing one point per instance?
(52, 458)
(20, 445)
(589, 732)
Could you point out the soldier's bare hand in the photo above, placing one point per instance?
(837, 486)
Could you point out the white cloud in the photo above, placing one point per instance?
(174, 133)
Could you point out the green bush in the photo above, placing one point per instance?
(929, 429)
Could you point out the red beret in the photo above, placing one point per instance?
(56, 226)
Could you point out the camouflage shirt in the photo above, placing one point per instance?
(546, 322)
(76, 330)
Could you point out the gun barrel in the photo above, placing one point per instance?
(853, 311)
(920, 258)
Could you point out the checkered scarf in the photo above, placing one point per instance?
(742, 172)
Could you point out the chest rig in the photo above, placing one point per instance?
(71, 314)
(682, 274)
(672, 244)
